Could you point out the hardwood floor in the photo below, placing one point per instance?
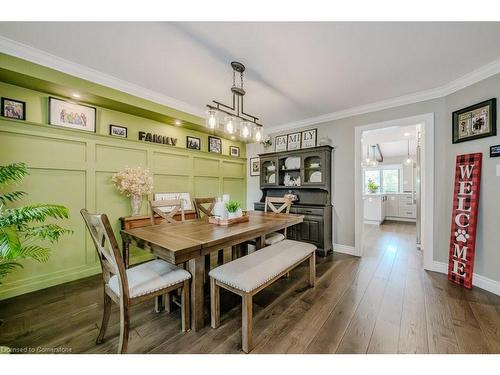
(381, 303)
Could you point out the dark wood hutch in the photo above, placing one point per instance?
(306, 174)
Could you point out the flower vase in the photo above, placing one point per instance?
(136, 204)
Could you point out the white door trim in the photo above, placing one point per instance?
(427, 217)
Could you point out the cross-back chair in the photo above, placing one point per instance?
(128, 287)
(285, 204)
(174, 205)
(204, 209)
(204, 206)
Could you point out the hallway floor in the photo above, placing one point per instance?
(381, 303)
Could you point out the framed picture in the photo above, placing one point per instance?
(71, 115)
(214, 144)
(309, 138)
(254, 166)
(294, 141)
(118, 131)
(183, 196)
(193, 143)
(474, 122)
(280, 143)
(234, 151)
(13, 109)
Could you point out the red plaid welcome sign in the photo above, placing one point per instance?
(464, 219)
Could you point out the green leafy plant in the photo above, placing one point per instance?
(372, 186)
(20, 237)
(233, 206)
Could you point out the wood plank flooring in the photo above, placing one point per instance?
(381, 303)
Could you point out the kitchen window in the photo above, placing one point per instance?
(387, 178)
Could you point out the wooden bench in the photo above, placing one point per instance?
(250, 274)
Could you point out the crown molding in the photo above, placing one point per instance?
(466, 80)
(25, 52)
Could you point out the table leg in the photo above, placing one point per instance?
(196, 267)
(260, 242)
(125, 251)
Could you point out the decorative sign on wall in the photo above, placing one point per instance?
(293, 141)
(309, 138)
(494, 151)
(157, 138)
(474, 122)
(464, 219)
(280, 143)
(71, 115)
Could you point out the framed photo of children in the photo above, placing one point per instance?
(474, 122)
(193, 143)
(214, 144)
(12, 108)
(71, 115)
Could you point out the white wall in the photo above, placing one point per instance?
(341, 131)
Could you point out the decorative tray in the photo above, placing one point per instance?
(225, 222)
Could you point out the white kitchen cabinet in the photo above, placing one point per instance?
(400, 206)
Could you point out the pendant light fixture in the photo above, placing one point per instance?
(235, 114)
(374, 161)
(408, 159)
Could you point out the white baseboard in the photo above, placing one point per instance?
(370, 222)
(477, 280)
(344, 249)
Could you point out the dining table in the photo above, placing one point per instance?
(187, 242)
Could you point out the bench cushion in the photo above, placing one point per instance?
(274, 237)
(254, 270)
(150, 277)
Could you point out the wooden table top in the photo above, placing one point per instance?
(185, 240)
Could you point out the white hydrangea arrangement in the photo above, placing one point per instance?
(133, 181)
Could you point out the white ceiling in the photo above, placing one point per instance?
(295, 71)
(393, 141)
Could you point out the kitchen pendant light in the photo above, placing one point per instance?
(235, 111)
(374, 161)
(408, 159)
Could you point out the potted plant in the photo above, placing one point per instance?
(372, 186)
(134, 183)
(22, 234)
(234, 209)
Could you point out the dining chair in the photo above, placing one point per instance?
(158, 207)
(201, 208)
(286, 203)
(204, 209)
(128, 287)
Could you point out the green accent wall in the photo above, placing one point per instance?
(74, 168)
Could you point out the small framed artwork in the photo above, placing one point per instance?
(309, 138)
(118, 131)
(71, 115)
(294, 141)
(234, 151)
(214, 144)
(12, 108)
(254, 166)
(280, 143)
(494, 151)
(474, 122)
(193, 143)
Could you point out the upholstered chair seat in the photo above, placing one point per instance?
(274, 237)
(150, 277)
